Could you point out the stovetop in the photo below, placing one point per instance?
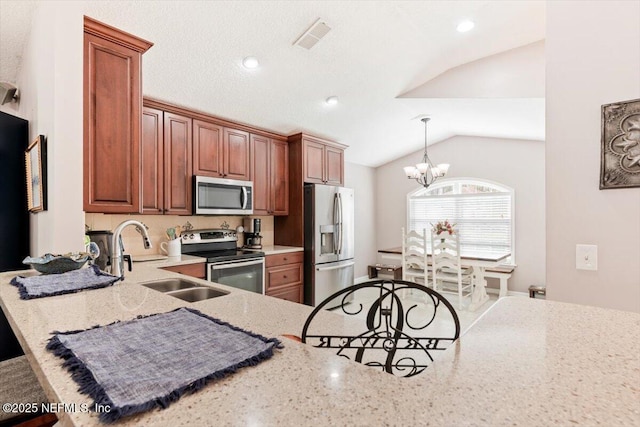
(228, 255)
(216, 245)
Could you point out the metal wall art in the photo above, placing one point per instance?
(36, 165)
(620, 151)
(383, 331)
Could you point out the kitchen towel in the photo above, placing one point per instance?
(64, 283)
(151, 361)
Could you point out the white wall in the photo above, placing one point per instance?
(516, 73)
(597, 62)
(518, 164)
(362, 180)
(50, 84)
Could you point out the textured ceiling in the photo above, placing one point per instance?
(375, 52)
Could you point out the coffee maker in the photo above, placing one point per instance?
(104, 241)
(252, 237)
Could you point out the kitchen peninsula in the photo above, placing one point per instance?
(525, 362)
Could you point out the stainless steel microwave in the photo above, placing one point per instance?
(217, 196)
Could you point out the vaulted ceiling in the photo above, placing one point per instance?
(376, 55)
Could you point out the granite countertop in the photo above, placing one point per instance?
(524, 362)
(277, 249)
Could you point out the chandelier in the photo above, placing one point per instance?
(425, 173)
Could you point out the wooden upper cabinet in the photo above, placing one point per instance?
(236, 155)
(152, 161)
(323, 163)
(208, 153)
(112, 117)
(313, 159)
(270, 175)
(260, 174)
(178, 167)
(220, 152)
(334, 165)
(279, 174)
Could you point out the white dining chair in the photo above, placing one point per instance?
(415, 267)
(448, 274)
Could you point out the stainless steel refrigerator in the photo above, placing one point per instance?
(328, 241)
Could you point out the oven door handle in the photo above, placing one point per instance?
(222, 266)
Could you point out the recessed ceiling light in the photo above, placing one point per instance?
(465, 26)
(250, 62)
(332, 100)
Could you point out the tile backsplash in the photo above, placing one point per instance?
(158, 225)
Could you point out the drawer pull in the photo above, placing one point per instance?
(284, 277)
(285, 258)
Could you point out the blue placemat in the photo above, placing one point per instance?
(151, 361)
(64, 283)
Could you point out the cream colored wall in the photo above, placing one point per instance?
(158, 224)
(518, 164)
(362, 180)
(596, 63)
(50, 84)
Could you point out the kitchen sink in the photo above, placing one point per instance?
(197, 294)
(186, 290)
(170, 285)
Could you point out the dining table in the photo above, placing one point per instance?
(480, 258)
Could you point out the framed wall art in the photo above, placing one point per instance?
(620, 145)
(36, 164)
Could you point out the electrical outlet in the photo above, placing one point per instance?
(586, 257)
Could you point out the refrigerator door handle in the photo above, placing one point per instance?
(336, 267)
(335, 221)
(340, 223)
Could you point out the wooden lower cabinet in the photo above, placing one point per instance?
(193, 270)
(292, 293)
(284, 276)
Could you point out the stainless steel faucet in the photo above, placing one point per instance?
(117, 262)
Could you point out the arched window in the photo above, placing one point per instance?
(482, 211)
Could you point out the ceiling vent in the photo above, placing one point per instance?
(318, 30)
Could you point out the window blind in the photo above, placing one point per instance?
(483, 220)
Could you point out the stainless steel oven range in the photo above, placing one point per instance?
(226, 263)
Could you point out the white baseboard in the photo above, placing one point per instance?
(509, 293)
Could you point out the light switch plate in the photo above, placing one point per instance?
(586, 257)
